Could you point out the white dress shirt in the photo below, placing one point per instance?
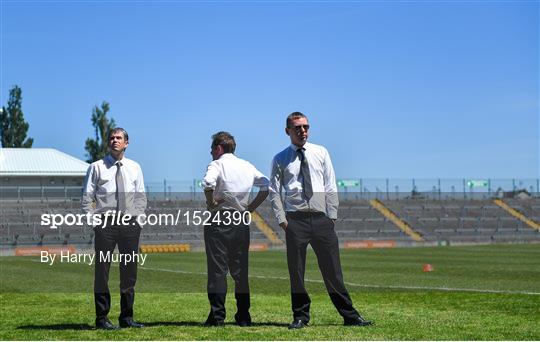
(99, 189)
(286, 176)
(232, 179)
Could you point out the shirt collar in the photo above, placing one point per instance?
(109, 159)
(226, 155)
(296, 148)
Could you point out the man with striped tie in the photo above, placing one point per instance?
(303, 176)
(115, 184)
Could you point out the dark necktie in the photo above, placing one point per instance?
(306, 176)
(120, 192)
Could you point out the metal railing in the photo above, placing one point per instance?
(358, 188)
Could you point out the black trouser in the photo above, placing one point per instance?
(106, 239)
(315, 228)
(227, 250)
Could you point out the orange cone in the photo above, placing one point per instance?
(427, 268)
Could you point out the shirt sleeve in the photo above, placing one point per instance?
(210, 178)
(260, 180)
(276, 177)
(330, 188)
(89, 191)
(140, 200)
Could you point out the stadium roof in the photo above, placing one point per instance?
(39, 162)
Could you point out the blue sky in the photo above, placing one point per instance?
(392, 89)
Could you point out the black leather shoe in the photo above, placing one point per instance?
(243, 320)
(357, 322)
(130, 324)
(106, 325)
(213, 324)
(243, 324)
(297, 324)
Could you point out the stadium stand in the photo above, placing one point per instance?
(471, 221)
(450, 221)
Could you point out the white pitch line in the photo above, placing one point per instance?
(398, 287)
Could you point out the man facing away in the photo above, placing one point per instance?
(304, 176)
(227, 186)
(115, 184)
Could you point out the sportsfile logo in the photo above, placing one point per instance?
(113, 217)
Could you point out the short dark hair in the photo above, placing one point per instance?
(118, 130)
(293, 116)
(224, 139)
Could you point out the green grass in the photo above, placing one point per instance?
(475, 293)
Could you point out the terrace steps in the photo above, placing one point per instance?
(517, 214)
(261, 224)
(389, 214)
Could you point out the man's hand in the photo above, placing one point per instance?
(211, 205)
(284, 225)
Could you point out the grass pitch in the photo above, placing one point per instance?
(475, 293)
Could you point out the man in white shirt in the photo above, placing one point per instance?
(227, 186)
(303, 175)
(115, 184)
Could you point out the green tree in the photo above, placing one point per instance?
(13, 127)
(98, 148)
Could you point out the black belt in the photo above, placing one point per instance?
(298, 215)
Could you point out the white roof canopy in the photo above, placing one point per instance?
(39, 162)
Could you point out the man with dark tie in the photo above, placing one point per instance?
(227, 187)
(114, 185)
(303, 175)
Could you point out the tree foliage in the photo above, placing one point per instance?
(98, 148)
(13, 127)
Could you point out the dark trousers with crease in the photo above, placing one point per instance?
(318, 230)
(106, 239)
(227, 250)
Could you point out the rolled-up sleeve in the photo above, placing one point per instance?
(260, 180)
(210, 178)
